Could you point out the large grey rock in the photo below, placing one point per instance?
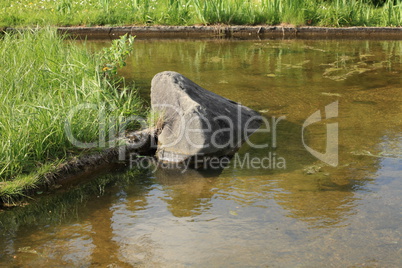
(196, 122)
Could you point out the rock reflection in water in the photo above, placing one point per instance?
(187, 193)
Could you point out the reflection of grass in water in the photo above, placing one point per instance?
(297, 65)
(62, 207)
(347, 64)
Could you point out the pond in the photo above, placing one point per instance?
(303, 212)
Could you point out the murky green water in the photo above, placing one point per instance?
(306, 214)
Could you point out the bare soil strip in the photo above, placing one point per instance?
(253, 32)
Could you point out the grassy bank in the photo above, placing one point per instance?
(189, 12)
(45, 81)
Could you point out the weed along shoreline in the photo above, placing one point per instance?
(56, 95)
(229, 31)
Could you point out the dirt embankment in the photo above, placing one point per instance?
(243, 32)
(224, 31)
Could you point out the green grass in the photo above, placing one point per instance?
(43, 79)
(190, 12)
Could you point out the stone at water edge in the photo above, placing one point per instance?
(197, 122)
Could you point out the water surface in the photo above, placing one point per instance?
(307, 214)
